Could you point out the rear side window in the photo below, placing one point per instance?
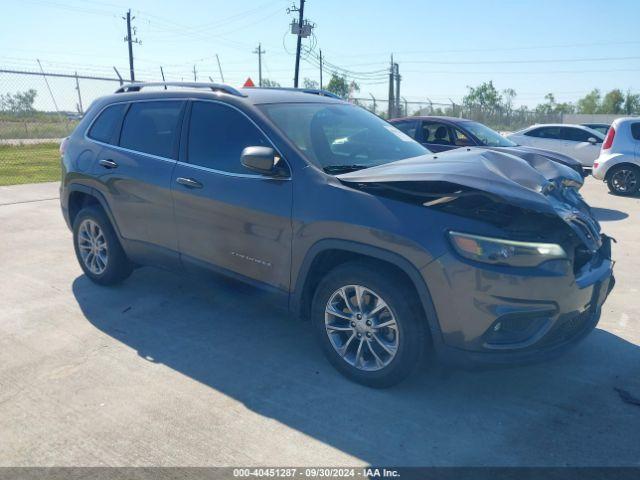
(152, 127)
(408, 128)
(104, 128)
(545, 132)
(576, 135)
(635, 130)
(217, 136)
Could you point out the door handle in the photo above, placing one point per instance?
(189, 182)
(108, 163)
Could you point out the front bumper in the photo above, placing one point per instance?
(502, 315)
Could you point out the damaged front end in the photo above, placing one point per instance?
(536, 201)
(504, 303)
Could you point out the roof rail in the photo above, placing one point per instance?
(312, 91)
(216, 87)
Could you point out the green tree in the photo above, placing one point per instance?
(308, 83)
(590, 103)
(269, 83)
(19, 102)
(484, 97)
(613, 102)
(341, 86)
(509, 94)
(631, 103)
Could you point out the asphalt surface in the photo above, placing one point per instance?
(174, 370)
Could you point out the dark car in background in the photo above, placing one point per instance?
(474, 255)
(439, 134)
(603, 128)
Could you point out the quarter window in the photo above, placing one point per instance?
(217, 136)
(152, 127)
(635, 130)
(105, 127)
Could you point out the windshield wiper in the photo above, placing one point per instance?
(337, 169)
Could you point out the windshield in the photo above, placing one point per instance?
(488, 137)
(340, 138)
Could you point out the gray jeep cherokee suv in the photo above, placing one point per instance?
(474, 255)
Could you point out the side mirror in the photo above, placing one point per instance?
(260, 159)
(592, 140)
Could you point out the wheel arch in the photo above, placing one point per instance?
(624, 163)
(327, 254)
(80, 196)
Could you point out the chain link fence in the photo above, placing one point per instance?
(38, 109)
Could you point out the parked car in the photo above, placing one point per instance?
(577, 141)
(446, 133)
(345, 219)
(619, 160)
(598, 127)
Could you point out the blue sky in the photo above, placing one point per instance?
(534, 46)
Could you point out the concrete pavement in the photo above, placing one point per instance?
(174, 370)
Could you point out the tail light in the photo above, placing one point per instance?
(608, 140)
(595, 165)
(63, 145)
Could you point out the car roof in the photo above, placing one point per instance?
(251, 96)
(432, 118)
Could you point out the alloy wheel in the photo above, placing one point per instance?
(93, 248)
(361, 327)
(624, 180)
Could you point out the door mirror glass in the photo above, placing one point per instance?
(592, 140)
(261, 160)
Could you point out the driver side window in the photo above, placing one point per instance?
(217, 136)
(437, 133)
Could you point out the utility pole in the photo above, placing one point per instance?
(320, 69)
(397, 96)
(374, 102)
(392, 103)
(220, 68)
(130, 40)
(298, 30)
(162, 73)
(195, 75)
(260, 52)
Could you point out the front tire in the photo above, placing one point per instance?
(624, 180)
(98, 249)
(370, 327)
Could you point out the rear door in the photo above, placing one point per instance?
(578, 145)
(228, 217)
(135, 174)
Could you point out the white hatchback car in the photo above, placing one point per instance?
(619, 160)
(577, 141)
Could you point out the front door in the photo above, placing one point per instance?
(228, 217)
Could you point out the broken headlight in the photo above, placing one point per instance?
(500, 251)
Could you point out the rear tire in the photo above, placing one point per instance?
(624, 180)
(376, 341)
(98, 249)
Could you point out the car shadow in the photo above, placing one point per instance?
(242, 343)
(608, 214)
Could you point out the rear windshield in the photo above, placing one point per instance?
(341, 137)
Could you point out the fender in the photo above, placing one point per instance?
(80, 187)
(295, 299)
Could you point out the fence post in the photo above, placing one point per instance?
(80, 109)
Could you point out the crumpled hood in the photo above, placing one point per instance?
(538, 184)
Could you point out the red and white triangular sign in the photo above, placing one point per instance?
(249, 83)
